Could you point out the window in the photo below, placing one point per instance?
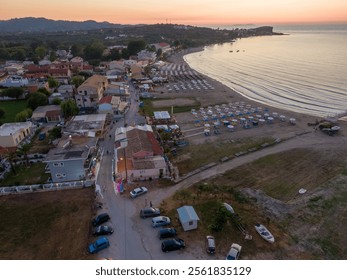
(58, 175)
(58, 164)
(191, 223)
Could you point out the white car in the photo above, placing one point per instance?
(138, 191)
(234, 252)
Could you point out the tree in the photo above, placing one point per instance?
(13, 92)
(55, 133)
(23, 115)
(69, 108)
(56, 101)
(24, 150)
(52, 83)
(37, 99)
(41, 52)
(159, 52)
(77, 80)
(77, 50)
(94, 50)
(135, 46)
(2, 113)
(11, 158)
(44, 91)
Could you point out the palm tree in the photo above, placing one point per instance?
(24, 150)
(11, 156)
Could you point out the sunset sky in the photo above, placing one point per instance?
(194, 12)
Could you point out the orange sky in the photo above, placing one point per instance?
(194, 12)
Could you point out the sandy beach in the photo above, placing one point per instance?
(177, 93)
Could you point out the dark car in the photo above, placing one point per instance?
(166, 233)
(172, 244)
(103, 230)
(149, 212)
(98, 245)
(100, 219)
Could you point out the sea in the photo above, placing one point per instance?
(304, 71)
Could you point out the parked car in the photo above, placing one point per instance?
(103, 230)
(234, 252)
(166, 233)
(149, 212)
(172, 244)
(210, 244)
(160, 221)
(98, 245)
(100, 219)
(138, 191)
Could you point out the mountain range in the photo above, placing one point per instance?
(33, 25)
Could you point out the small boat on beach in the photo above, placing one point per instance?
(264, 233)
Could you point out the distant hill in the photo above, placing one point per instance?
(33, 25)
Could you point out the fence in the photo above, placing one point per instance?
(45, 187)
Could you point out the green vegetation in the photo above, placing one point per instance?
(12, 108)
(27, 175)
(200, 155)
(148, 107)
(69, 108)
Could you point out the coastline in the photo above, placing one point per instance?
(179, 58)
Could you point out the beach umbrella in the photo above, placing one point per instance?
(275, 115)
(266, 115)
(270, 119)
(261, 121)
(226, 123)
(230, 127)
(282, 118)
(258, 116)
(207, 125)
(292, 121)
(242, 120)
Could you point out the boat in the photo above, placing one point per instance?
(229, 208)
(264, 233)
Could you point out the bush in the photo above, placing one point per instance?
(220, 218)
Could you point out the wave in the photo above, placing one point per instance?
(286, 72)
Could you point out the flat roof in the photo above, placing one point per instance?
(7, 128)
(162, 115)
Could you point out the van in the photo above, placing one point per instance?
(100, 219)
(210, 244)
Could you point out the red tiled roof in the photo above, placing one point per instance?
(106, 99)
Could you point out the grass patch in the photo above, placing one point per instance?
(46, 226)
(200, 155)
(12, 108)
(148, 107)
(26, 175)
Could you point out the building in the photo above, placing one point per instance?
(188, 217)
(92, 125)
(13, 134)
(109, 105)
(74, 159)
(91, 91)
(46, 114)
(14, 81)
(140, 157)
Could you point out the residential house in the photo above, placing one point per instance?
(46, 114)
(92, 125)
(14, 81)
(91, 91)
(140, 157)
(74, 159)
(13, 134)
(165, 47)
(109, 105)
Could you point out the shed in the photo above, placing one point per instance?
(188, 217)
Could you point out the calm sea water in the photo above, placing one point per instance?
(304, 72)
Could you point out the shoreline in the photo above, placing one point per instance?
(178, 58)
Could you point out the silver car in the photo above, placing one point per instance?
(138, 191)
